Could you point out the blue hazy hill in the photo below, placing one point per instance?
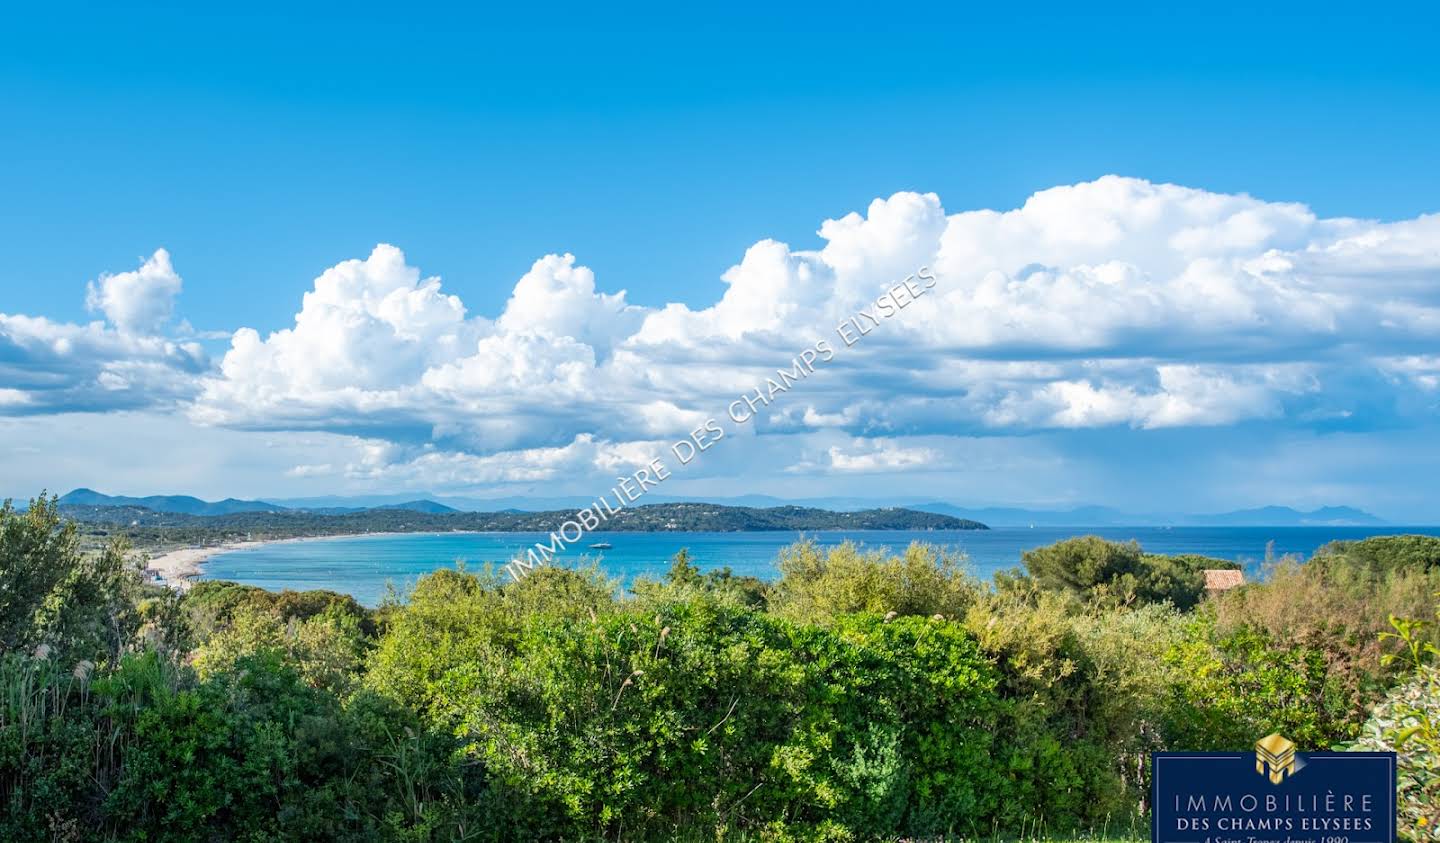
(995, 516)
(168, 503)
(188, 505)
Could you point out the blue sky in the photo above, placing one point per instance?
(261, 148)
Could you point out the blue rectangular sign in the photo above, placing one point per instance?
(1273, 795)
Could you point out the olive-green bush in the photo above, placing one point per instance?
(703, 714)
(1407, 722)
(1120, 573)
(817, 585)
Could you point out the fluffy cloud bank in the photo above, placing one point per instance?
(121, 363)
(1111, 303)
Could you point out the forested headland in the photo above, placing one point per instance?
(149, 528)
(860, 696)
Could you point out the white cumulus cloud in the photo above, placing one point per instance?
(1116, 303)
(125, 362)
(140, 301)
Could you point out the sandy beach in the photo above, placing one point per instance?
(178, 567)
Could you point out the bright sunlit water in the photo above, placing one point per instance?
(364, 565)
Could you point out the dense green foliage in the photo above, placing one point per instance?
(51, 596)
(818, 585)
(1407, 722)
(1388, 554)
(860, 696)
(1120, 573)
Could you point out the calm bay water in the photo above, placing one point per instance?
(363, 565)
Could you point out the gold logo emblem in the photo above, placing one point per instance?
(1276, 755)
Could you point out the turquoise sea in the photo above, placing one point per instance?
(364, 565)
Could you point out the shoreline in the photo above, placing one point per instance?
(178, 567)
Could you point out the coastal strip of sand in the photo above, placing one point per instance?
(178, 567)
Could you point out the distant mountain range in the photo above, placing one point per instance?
(187, 505)
(168, 503)
(1083, 516)
(409, 506)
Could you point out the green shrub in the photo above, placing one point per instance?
(211, 606)
(46, 750)
(325, 649)
(1387, 554)
(144, 752)
(1119, 573)
(1407, 722)
(818, 585)
(684, 580)
(657, 718)
(1099, 678)
(1240, 684)
(1334, 607)
(73, 605)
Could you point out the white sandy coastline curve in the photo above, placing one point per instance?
(178, 567)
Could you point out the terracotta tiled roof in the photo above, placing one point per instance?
(1220, 580)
